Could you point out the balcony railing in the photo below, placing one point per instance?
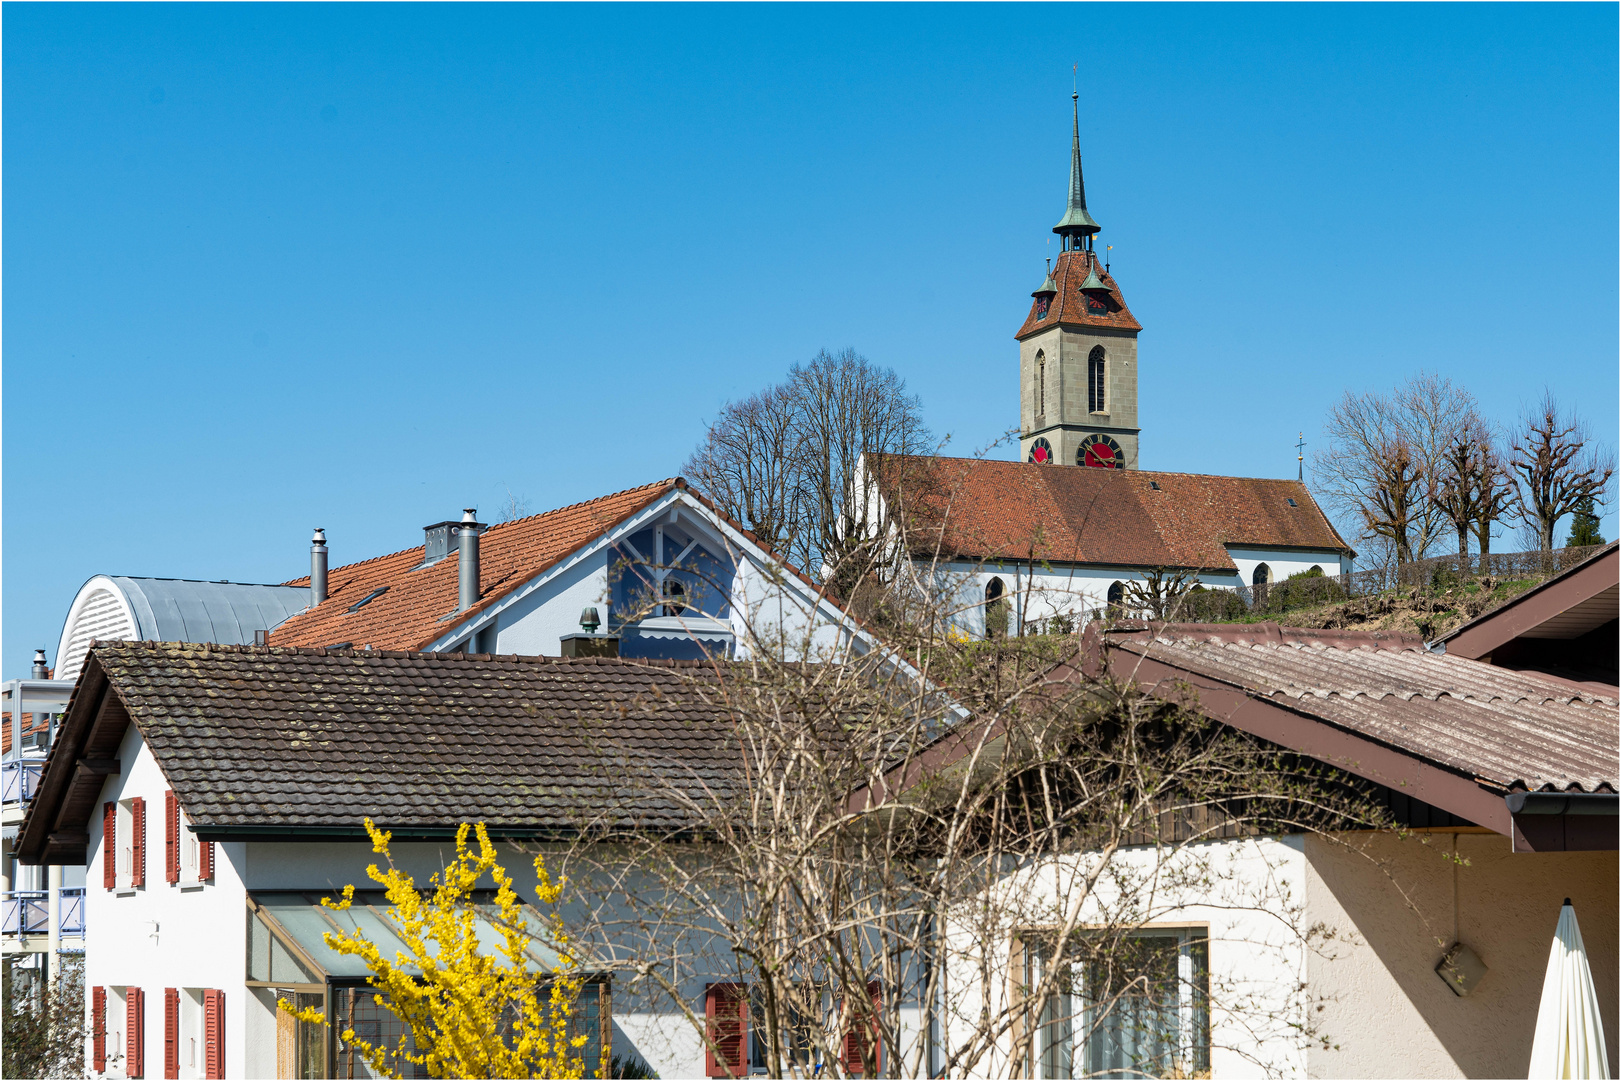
(27, 911)
(18, 780)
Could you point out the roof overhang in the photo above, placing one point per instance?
(1397, 769)
(1575, 602)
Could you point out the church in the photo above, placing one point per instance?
(1058, 536)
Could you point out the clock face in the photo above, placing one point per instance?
(1100, 452)
(1096, 305)
(1040, 452)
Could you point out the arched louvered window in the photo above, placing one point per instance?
(1040, 383)
(1097, 379)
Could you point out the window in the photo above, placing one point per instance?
(1097, 379)
(674, 593)
(368, 598)
(1262, 574)
(300, 1046)
(1143, 1012)
(1116, 599)
(124, 845)
(1040, 383)
(804, 1014)
(995, 609)
(187, 860)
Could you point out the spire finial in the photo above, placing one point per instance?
(1077, 222)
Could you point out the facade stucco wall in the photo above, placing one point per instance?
(1386, 1009)
(164, 935)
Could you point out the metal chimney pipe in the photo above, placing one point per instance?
(317, 568)
(42, 667)
(467, 538)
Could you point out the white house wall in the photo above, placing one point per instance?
(1286, 562)
(1251, 950)
(536, 623)
(165, 935)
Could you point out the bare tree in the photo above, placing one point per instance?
(1385, 454)
(1158, 594)
(1471, 488)
(1556, 469)
(902, 859)
(749, 464)
(786, 462)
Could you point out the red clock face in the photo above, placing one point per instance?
(1040, 452)
(1101, 452)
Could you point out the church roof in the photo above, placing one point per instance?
(410, 613)
(1068, 307)
(977, 509)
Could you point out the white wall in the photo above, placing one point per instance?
(165, 935)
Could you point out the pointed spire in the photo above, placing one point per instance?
(1049, 286)
(1077, 221)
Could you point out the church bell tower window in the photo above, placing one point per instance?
(1097, 380)
(1040, 383)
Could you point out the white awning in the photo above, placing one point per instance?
(682, 627)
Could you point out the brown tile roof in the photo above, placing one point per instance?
(980, 509)
(256, 740)
(1507, 729)
(1069, 305)
(408, 615)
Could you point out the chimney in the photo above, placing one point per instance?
(42, 668)
(467, 538)
(317, 568)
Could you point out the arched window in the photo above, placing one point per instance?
(1040, 383)
(1316, 571)
(995, 608)
(674, 597)
(1262, 574)
(1097, 379)
(1116, 599)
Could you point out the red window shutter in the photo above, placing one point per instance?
(137, 847)
(134, 1032)
(205, 860)
(725, 1008)
(109, 845)
(98, 1027)
(171, 1034)
(171, 838)
(214, 1034)
(859, 1032)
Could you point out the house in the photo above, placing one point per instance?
(1500, 742)
(246, 774)
(1019, 545)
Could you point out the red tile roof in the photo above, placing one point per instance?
(408, 616)
(982, 509)
(1069, 305)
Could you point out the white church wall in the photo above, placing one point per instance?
(1283, 562)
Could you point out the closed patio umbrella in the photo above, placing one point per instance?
(1569, 1031)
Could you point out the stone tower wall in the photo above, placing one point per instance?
(1067, 421)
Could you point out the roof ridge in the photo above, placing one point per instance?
(668, 482)
(1104, 472)
(408, 654)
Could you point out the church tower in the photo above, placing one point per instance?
(1077, 351)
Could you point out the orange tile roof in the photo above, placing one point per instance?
(981, 509)
(1069, 305)
(408, 616)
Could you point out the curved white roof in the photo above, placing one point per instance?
(170, 609)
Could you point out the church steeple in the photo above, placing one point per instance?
(1077, 226)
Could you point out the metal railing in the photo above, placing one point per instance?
(19, 779)
(28, 911)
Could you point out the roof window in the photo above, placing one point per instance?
(374, 593)
(1291, 502)
(1154, 484)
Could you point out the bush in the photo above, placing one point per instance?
(1304, 589)
(1210, 605)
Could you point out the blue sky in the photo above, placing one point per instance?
(272, 267)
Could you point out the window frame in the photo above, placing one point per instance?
(1192, 1016)
(1097, 381)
